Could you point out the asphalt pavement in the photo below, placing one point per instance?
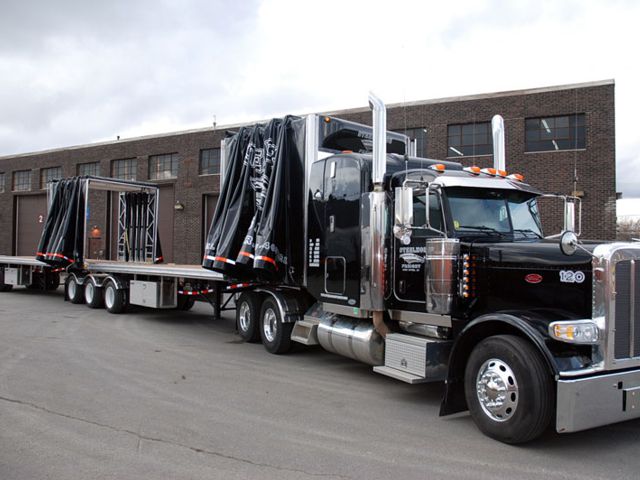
(176, 395)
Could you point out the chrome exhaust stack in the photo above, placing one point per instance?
(373, 228)
(497, 127)
(379, 140)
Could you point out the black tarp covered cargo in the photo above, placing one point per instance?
(257, 232)
(62, 240)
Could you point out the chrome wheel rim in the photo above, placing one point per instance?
(109, 296)
(244, 316)
(497, 390)
(72, 289)
(270, 325)
(88, 292)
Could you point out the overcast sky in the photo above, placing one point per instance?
(79, 71)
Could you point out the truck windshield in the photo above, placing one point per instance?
(505, 213)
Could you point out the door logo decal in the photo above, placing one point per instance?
(533, 278)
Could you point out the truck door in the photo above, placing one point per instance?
(342, 191)
(409, 260)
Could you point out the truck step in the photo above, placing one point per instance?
(414, 358)
(305, 332)
(400, 375)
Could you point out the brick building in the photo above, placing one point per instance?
(562, 139)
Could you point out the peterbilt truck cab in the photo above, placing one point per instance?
(429, 271)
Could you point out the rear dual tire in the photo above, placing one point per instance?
(74, 291)
(276, 335)
(115, 300)
(93, 295)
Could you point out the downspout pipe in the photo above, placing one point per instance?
(497, 127)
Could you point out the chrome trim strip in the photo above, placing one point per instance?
(632, 312)
(419, 317)
(310, 156)
(346, 311)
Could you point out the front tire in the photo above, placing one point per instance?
(115, 300)
(248, 316)
(276, 335)
(74, 290)
(93, 295)
(508, 389)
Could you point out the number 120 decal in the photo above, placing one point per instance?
(569, 276)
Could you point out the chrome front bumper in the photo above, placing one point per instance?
(595, 401)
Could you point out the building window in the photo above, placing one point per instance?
(21, 181)
(162, 167)
(2, 180)
(89, 169)
(48, 175)
(564, 132)
(210, 161)
(124, 169)
(469, 140)
(419, 135)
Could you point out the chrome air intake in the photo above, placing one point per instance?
(379, 139)
(497, 127)
(440, 274)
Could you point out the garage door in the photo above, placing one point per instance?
(31, 214)
(209, 203)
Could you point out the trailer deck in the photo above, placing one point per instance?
(156, 269)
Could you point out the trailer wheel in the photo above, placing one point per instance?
(276, 335)
(248, 316)
(74, 291)
(185, 302)
(508, 389)
(115, 300)
(5, 287)
(93, 295)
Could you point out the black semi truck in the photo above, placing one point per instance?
(333, 233)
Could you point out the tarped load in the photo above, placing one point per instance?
(257, 232)
(62, 241)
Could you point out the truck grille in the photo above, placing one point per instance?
(627, 310)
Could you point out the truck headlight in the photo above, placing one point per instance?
(575, 331)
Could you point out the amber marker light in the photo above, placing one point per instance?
(438, 167)
(516, 176)
(473, 170)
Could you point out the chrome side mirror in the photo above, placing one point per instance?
(403, 214)
(568, 243)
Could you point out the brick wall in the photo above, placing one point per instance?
(549, 171)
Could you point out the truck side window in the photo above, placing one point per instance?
(435, 211)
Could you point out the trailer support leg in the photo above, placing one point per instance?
(217, 302)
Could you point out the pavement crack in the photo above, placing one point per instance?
(142, 437)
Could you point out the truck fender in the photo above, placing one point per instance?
(291, 303)
(477, 330)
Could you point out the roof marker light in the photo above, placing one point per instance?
(473, 170)
(438, 167)
(502, 173)
(489, 171)
(516, 176)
